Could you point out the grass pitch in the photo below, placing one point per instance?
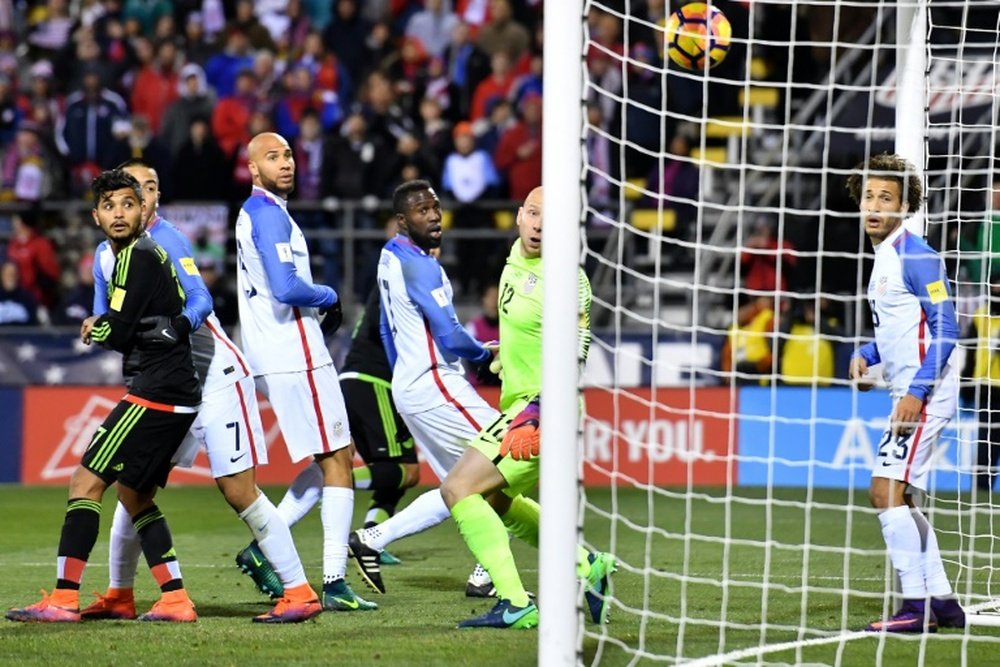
(715, 604)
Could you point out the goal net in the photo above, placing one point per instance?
(726, 459)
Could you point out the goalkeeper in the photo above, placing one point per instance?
(504, 456)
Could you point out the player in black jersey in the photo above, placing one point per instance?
(134, 445)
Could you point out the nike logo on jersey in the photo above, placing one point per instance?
(511, 619)
(234, 459)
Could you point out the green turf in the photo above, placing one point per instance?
(415, 624)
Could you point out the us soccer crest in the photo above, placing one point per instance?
(883, 285)
(529, 284)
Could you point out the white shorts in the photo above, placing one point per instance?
(444, 432)
(310, 410)
(228, 427)
(909, 458)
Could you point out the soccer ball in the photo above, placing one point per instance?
(698, 34)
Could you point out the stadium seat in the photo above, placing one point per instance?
(632, 188)
(447, 217)
(760, 69)
(760, 97)
(711, 154)
(504, 219)
(648, 219)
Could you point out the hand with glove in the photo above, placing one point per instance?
(522, 438)
(161, 331)
(331, 318)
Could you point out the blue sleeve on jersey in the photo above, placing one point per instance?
(385, 333)
(100, 284)
(270, 228)
(423, 278)
(923, 272)
(869, 352)
(197, 300)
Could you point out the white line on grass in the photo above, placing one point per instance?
(756, 651)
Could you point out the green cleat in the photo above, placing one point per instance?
(252, 563)
(338, 596)
(505, 615)
(598, 591)
(386, 558)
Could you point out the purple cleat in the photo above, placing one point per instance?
(948, 612)
(912, 617)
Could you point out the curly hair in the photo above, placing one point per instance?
(401, 195)
(112, 180)
(893, 168)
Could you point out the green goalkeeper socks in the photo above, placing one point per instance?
(522, 522)
(486, 537)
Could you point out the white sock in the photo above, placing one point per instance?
(337, 512)
(274, 540)
(902, 539)
(934, 575)
(301, 495)
(123, 551)
(426, 511)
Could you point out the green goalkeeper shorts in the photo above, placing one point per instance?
(521, 476)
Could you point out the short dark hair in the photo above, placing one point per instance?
(114, 179)
(402, 193)
(893, 168)
(135, 162)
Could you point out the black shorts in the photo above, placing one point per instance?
(134, 445)
(378, 431)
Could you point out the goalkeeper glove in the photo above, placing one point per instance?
(331, 318)
(522, 438)
(161, 331)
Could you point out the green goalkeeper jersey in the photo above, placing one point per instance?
(520, 305)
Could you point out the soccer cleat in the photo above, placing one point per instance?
(338, 596)
(911, 617)
(598, 591)
(172, 607)
(115, 605)
(505, 615)
(386, 558)
(252, 563)
(480, 585)
(44, 611)
(948, 612)
(367, 560)
(289, 611)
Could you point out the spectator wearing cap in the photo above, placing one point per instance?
(433, 26)
(77, 304)
(223, 68)
(469, 174)
(155, 86)
(503, 33)
(17, 305)
(35, 258)
(301, 96)
(200, 167)
(86, 132)
(497, 84)
(231, 116)
(194, 100)
(519, 153)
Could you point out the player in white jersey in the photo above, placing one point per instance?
(280, 310)
(228, 426)
(915, 334)
(425, 344)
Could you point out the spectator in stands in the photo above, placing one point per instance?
(29, 169)
(225, 304)
(77, 303)
(155, 86)
(379, 46)
(805, 351)
(86, 135)
(466, 66)
(197, 48)
(147, 13)
(485, 327)
(231, 116)
(300, 97)
(761, 257)
(10, 114)
(346, 35)
(140, 142)
(39, 96)
(528, 83)
(980, 249)
(308, 147)
(35, 257)
(114, 49)
(386, 119)
(503, 33)
(166, 29)
(519, 154)
(606, 75)
(17, 305)
(195, 101)
(434, 131)
(201, 170)
(675, 179)
(982, 367)
(411, 160)
(327, 71)
(246, 22)
(205, 249)
(51, 33)
(267, 71)
(299, 24)
(223, 69)
(408, 72)
(496, 85)
(242, 179)
(599, 155)
(746, 354)
(353, 160)
(437, 87)
(489, 130)
(433, 26)
(469, 174)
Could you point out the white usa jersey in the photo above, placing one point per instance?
(423, 338)
(915, 324)
(278, 301)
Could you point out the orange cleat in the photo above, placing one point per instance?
(291, 611)
(117, 603)
(172, 607)
(45, 611)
